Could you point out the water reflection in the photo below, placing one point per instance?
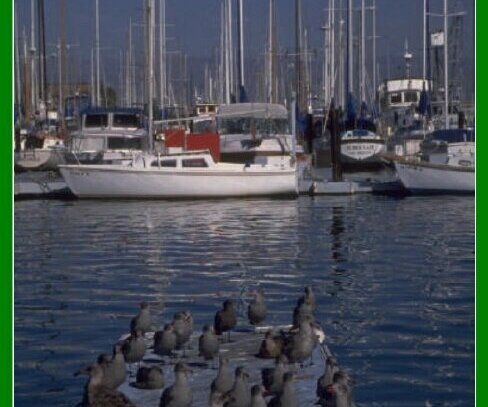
(394, 282)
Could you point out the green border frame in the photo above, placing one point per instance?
(481, 302)
(6, 203)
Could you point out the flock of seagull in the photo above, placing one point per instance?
(293, 346)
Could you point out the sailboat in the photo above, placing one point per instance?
(448, 163)
(361, 146)
(180, 175)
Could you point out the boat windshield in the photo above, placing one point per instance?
(126, 120)
(249, 125)
(96, 120)
(125, 143)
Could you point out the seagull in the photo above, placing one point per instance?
(256, 312)
(142, 321)
(208, 343)
(99, 395)
(225, 319)
(179, 394)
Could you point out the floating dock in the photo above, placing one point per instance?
(240, 352)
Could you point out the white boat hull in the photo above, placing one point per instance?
(91, 181)
(38, 160)
(435, 178)
(361, 151)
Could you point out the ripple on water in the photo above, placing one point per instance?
(394, 281)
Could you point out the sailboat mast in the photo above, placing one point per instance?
(150, 76)
(446, 78)
(18, 86)
(162, 52)
(231, 46)
(227, 52)
(240, 40)
(97, 50)
(374, 50)
(42, 50)
(424, 42)
(363, 53)
(269, 76)
(350, 84)
(33, 58)
(298, 58)
(332, 50)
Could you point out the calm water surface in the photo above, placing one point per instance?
(394, 280)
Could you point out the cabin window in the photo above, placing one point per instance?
(96, 120)
(194, 163)
(411, 97)
(126, 120)
(247, 125)
(124, 143)
(395, 98)
(211, 109)
(164, 163)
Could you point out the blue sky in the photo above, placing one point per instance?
(195, 25)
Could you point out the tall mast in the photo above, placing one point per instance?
(18, 87)
(374, 50)
(227, 52)
(231, 46)
(341, 61)
(162, 52)
(92, 78)
(33, 57)
(298, 59)
(424, 42)
(150, 66)
(42, 50)
(62, 61)
(240, 40)
(446, 79)
(363, 53)
(332, 49)
(269, 70)
(97, 47)
(349, 48)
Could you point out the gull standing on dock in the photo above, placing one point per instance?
(240, 394)
(179, 394)
(149, 378)
(99, 395)
(165, 341)
(142, 321)
(222, 383)
(183, 328)
(287, 398)
(256, 311)
(272, 377)
(225, 319)
(115, 371)
(208, 343)
(134, 347)
(327, 378)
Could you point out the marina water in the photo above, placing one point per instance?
(394, 280)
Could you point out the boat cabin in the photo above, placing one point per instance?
(103, 130)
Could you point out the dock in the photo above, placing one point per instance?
(241, 352)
